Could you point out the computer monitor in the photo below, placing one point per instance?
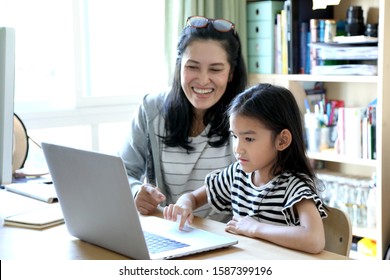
(7, 86)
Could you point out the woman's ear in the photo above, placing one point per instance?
(230, 76)
(283, 140)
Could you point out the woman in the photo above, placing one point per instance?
(178, 137)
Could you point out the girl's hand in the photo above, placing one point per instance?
(242, 225)
(185, 205)
(308, 236)
(174, 212)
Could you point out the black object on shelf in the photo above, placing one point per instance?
(299, 11)
(355, 21)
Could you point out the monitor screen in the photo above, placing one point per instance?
(7, 85)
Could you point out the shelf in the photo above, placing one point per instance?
(358, 256)
(365, 232)
(356, 90)
(332, 156)
(315, 78)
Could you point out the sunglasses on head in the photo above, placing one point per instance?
(222, 25)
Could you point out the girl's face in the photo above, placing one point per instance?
(253, 144)
(205, 73)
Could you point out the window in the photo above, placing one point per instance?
(122, 48)
(77, 53)
(44, 60)
(83, 65)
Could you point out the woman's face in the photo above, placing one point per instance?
(205, 72)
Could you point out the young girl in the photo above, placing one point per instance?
(270, 189)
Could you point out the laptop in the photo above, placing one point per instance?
(98, 207)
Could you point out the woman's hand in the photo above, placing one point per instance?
(148, 198)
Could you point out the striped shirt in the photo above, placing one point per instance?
(184, 172)
(232, 190)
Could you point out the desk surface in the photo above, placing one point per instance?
(57, 244)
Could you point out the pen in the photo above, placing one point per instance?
(316, 109)
(307, 106)
(331, 116)
(328, 111)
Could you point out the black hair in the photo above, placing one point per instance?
(177, 110)
(276, 108)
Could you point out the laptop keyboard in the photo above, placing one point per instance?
(157, 244)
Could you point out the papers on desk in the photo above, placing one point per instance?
(41, 191)
(38, 219)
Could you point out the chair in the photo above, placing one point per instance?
(338, 232)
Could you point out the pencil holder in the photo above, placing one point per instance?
(320, 138)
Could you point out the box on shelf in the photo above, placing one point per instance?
(261, 35)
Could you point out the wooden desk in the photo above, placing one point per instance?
(56, 244)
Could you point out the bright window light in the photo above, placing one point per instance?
(123, 47)
(72, 53)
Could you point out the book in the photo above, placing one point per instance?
(37, 219)
(278, 43)
(40, 191)
(368, 133)
(340, 141)
(284, 41)
(327, 51)
(353, 117)
(307, 58)
(371, 113)
(365, 137)
(345, 69)
(303, 47)
(359, 39)
(299, 11)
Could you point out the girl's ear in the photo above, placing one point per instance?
(283, 140)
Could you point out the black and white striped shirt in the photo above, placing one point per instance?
(184, 172)
(232, 190)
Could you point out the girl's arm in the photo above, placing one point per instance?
(309, 236)
(185, 205)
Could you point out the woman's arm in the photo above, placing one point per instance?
(134, 153)
(185, 205)
(133, 150)
(309, 236)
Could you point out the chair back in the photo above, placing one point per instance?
(338, 232)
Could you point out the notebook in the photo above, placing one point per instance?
(41, 191)
(42, 218)
(98, 207)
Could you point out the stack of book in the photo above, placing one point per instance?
(291, 47)
(357, 132)
(346, 55)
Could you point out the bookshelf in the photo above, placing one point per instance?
(357, 91)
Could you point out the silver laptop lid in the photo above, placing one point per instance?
(98, 207)
(95, 199)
